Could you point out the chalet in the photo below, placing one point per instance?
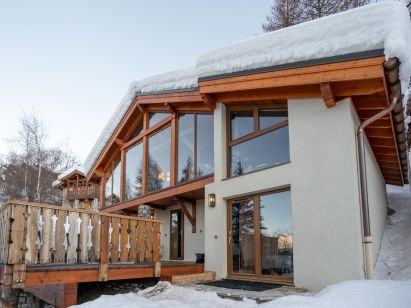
(268, 161)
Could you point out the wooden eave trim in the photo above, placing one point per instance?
(179, 97)
(166, 193)
(343, 71)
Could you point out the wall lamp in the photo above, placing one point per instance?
(211, 200)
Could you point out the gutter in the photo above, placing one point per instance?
(367, 240)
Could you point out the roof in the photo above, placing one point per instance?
(380, 26)
(68, 173)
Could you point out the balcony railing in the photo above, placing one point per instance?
(83, 191)
(32, 233)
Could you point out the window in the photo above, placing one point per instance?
(112, 188)
(159, 156)
(261, 236)
(137, 131)
(258, 139)
(134, 172)
(156, 117)
(195, 146)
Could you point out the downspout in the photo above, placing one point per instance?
(367, 240)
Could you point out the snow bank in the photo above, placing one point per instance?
(361, 294)
(384, 25)
(394, 260)
(176, 80)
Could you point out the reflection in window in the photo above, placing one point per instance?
(137, 131)
(156, 117)
(116, 181)
(270, 117)
(108, 189)
(205, 144)
(261, 152)
(185, 147)
(243, 237)
(189, 165)
(242, 123)
(276, 234)
(134, 172)
(112, 187)
(159, 153)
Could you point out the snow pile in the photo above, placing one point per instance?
(361, 294)
(394, 260)
(176, 80)
(384, 25)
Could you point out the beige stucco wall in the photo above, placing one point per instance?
(323, 179)
(193, 242)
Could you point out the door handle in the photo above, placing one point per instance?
(229, 237)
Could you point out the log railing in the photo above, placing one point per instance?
(33, 233)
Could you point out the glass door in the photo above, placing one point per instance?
(260, 239)
(176, 235)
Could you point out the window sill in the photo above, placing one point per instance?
(254, 171)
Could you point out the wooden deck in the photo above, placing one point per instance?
(48, 250)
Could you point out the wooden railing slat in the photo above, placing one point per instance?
(133, 241)
(45, 252)
(156, 242)
(124, 240)
(15, 249)
(60, 237)
(149, 241)
(95, 250)
(114, 239)
(140, 240)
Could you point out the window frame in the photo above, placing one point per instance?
(147, 132)
(257, 131)
(195, 156)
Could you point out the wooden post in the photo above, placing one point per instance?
(19, 276)
(104, 256)
(157, 269)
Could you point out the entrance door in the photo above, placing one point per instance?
(176, 235)
(260, 240)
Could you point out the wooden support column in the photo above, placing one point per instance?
(104, 257)
(58, 295)
(123, 175)
(191, 217)
(173, 171)
(327, 94)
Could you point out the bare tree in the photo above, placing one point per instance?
(285, 13)
(31, 166)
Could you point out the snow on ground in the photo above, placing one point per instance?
(394, 263)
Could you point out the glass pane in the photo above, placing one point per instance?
(159, 147)
(205, 144)
(185, 147)
(155, 117)
(261, 152)
(242, 123)
(176, 235)
(137, 131)
(107, 191)
(116, 181)
(276, 234)
(242, 234)
(134, 172)
(270, 117)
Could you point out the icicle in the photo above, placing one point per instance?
(66, 243)
(53, 234)
(40, 224)
(90, 229)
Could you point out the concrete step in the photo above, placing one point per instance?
(189, 278)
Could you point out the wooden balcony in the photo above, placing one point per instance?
(37, 240)
(81, 190)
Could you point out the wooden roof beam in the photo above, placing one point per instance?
(208, 101)
(327, 94)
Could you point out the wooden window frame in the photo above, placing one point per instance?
(182, 233)
(195, 160)
(258, 276)
(143, 137)
(257, 131)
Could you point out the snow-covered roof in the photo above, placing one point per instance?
(385, 26)
(171, 81)
(73, 170)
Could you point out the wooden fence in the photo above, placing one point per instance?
(33, 233)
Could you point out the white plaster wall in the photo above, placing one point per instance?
(193, 242)
(323, 179)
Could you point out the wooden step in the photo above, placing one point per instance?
(189, 278)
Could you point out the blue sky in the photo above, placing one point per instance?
(71, 61)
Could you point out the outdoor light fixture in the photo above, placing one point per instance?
(211, 200)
